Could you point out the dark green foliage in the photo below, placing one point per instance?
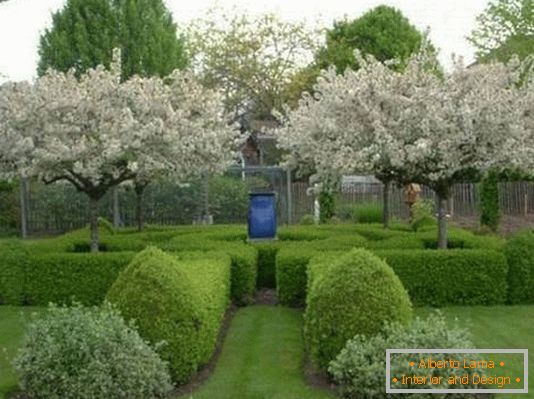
(65, 277)
(9, 210)
(266, 264)
(327, 206)
(490, 215)
(404, 241)
(519, 252)
(422, 215)
(355, 293)
(84, 33)
(179, 302)
(307, 220)
(291, 265)
(367, 213)
(452, 277)
(13, 266)
(82, 352)
(382, 32)
(228, 199)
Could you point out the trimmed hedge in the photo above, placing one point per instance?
(451, 277)
(355, 293)
(40, 278)
(291, 265)
(179, 302)
(13, 266)
(266, 264)
(62, 278)
(519, 252)
(244, 261)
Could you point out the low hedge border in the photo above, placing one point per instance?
(432, 278)
(451, 277)
(38, 279)
(519, 252)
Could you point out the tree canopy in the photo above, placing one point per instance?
(412, 126)
(250, 58)
(504, 29)
(96, 132)
(85, 32)
(383, 32)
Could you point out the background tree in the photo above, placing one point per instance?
(85, 32)
(383, 32)
(250, 58)
(505, 28)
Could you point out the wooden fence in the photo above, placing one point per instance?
(515, 198)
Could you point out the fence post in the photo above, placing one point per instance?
(24, 207)
(289, 197)
(116, 209)
(526, 205)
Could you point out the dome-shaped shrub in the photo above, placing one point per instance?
(355, 293)
(180, 302)
(82, 352)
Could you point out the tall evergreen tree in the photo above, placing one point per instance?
(84, 33)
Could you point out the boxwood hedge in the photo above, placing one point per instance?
(347, 295)
(451, 277)
(519, 252)
(180, 302)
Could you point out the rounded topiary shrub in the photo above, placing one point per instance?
(82, 352)
(360, 368)
(519, 251)
(180, 302)
(355, 293)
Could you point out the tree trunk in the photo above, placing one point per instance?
(442, 220)
(116, 208)
(93, 215)
(139, 191)
(24, 207)
(385, 205)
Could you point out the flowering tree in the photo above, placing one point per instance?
(417, 125)
(473, 120)
(355, 122)
(200, 140)
(96, 132)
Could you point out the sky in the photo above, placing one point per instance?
(449, 21)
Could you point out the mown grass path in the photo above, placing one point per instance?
(262, 358)
(12, 322)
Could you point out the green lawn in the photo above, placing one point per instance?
(506, 327)
(262, 358)
(263, 351)
(12, 321)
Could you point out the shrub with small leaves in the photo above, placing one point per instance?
(78, 352)
(360, 368)
(422, 214)
(307, 220)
